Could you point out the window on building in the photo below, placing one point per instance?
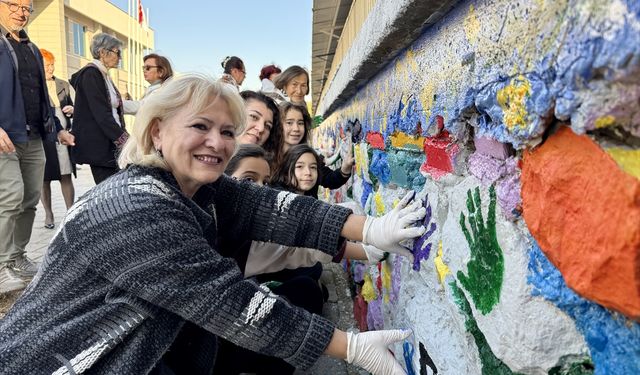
(77, 38)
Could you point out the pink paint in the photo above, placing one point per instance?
(491, 147)
(487, 169)
(376, 140)
(440, 151)
(505, 174)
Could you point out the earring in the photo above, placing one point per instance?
(159, 152)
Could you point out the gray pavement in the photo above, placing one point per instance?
(339, 307)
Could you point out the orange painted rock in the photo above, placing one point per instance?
(584, 211)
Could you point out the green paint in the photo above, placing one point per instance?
(405, 168)
(486, 267)
(491, 365)
(573, 365)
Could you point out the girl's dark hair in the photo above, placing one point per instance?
(275, 143)
(164, 66)
(276, 130)
(231, 62)
(243, 152)
(284, 175)
(290, 73)
(268, 70)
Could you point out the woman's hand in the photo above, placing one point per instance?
(386, 232)
(68, 110)
(370, 350)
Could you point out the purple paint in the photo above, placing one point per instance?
(421, 248)
(508, 192)
(491, 147)
(395, 279)
(358, 272)
(375, 320)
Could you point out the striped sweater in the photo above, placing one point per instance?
(135, 259)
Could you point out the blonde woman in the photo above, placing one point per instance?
(133, 283)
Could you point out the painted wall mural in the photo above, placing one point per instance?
(518, 125)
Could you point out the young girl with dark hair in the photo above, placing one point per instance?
(295, 125)
(276, 265)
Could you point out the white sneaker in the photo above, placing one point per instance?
(24, 267)
(9, 281)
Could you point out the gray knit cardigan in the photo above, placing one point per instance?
(135, 259)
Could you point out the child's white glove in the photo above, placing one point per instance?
(386, 232)
(370, 350)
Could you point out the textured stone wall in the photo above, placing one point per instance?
(518, 124)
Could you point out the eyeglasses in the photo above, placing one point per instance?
(147, 68)
(13, 7)
(117, 52)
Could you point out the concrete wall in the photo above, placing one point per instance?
(518, 124)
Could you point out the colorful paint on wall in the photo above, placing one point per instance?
(585, 214)
(407, 352)
(614, 342)
(380, 167)
(628, 160)
(404, 141)
(440, 151)
(486, 268)
(491, 365)
(376, 140)
(441, 267)
(512, 99)
(421, 246)
(405, 169)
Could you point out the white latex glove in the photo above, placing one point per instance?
(370, 350)
(386, 232)
(374, 255)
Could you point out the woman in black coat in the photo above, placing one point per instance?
(99, 123)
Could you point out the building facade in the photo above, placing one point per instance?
(66, 27)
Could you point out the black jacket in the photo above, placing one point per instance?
(94, 127)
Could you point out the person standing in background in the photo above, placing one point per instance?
(58, 166)
(294, 84)
(157, 70)
(25, 119)
(98, 122)
(234, 71)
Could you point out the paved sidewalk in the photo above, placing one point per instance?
(338, 308)
(41, 236)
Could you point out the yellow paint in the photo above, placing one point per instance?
(426, 96)
(512, 99)
(395, 202)
(628, 160)
(377, 198)
(399, 139)
(358, 156)
(441, 267)
(368, 292)
(383, 127)
(472, 25)
(386, 280)
(405, 107)
(605, 121)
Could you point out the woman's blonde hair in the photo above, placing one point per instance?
(196, 91)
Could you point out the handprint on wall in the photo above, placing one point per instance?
(422, 246)
(485, 270)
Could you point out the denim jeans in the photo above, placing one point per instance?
(21, 176)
